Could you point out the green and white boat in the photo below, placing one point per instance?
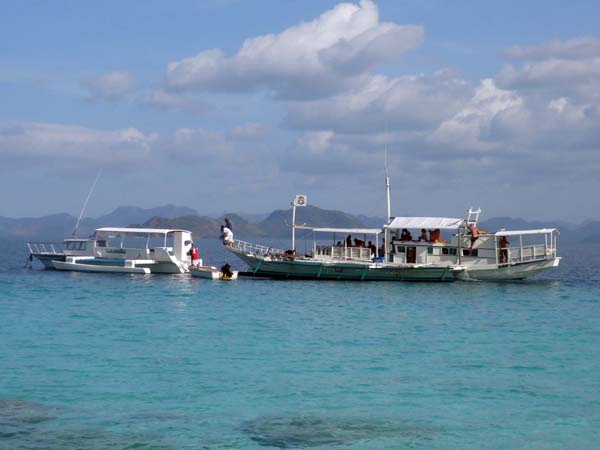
(462, 256)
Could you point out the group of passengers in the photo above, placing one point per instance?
(357, 243)
(434, 235)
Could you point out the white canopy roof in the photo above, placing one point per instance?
(343, 230)
(429, 223)
(526, 232)
(156, 231)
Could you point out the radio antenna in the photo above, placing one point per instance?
(387, 180)
(87, 199)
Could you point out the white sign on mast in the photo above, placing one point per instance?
(299, 200)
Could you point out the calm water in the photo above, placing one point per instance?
(169, 362)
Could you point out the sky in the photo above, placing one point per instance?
(236, 106)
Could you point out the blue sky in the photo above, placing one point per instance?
(229, 105)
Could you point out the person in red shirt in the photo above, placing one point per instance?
(194, 255)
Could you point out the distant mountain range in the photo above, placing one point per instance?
(275, 224)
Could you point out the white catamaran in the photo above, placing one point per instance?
(111, 250)
(468, 253)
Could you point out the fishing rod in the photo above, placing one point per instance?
(86, 202)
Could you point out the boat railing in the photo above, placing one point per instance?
(46, 248)
(341, 252)
(528, 253)
(256, 249)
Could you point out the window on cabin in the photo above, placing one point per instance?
(82, 245)
(430, 250)
(474, 252)
(444, 250)
(401, 249)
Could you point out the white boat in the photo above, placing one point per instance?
(490, 257)
(212, 273)
(111, 250)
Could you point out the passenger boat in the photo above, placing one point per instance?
(212, 273)
(111, 250)
(490, 257)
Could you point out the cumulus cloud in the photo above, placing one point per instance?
(576, 48)
(329, 54)
(407, 103)
(40, 144)
(555, 69)
(110, 86)
(169, 101)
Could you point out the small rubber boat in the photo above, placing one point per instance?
(212, 273)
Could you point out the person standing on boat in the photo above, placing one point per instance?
(228, 224)
(503, 249)
(194, 255)
(474, 235)
(349, 241)
(226, 235)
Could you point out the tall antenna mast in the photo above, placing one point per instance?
(86, 202)
(387, 181)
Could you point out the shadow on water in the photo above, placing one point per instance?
(30, 425)
(314, 431)
(19, 417)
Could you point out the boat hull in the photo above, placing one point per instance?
(317, 270)
(48, 259)
(95, 268)
(212, 274)
(519, 271)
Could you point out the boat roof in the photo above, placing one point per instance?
(343, 230)
(429, 223)
(155, 231)
(525, 232)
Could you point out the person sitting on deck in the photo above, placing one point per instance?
(405, 236)
(339, 244)
(434, 235)
(474, 235)
(423, 236)
(372, 247)
(359, 243)
(226, 270)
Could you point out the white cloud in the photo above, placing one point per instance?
(249, 131)
(110, 86)
(468, 128)
(407, 103)
(576, 48)
(168, 101)
(556, 69)
(326, 55)
(38, 144)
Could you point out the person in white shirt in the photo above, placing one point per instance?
(226, 235)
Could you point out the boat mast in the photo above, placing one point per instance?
(387, 189)
(299, 200)
(294, 226)
(87, 199)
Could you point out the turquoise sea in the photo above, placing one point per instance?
(98, 361)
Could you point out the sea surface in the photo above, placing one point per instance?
(100, 361)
